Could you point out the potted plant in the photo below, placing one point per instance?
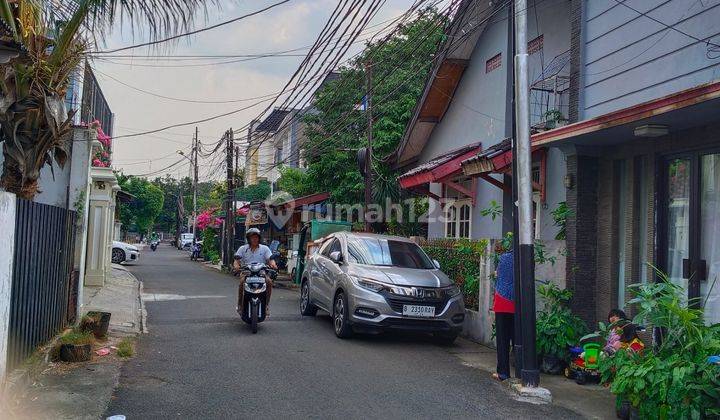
(554, 118)
(557, 328)
(675, 378)
(96, 322)
(75, 346)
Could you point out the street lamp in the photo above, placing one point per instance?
(195, 179)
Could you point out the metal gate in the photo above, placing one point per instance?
(42, 277)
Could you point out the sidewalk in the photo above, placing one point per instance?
(54, 390)
(590, 401)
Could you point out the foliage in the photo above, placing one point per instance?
(77, 337)
(675, 379)
(125, 348)
(102, 156)
(255, 192)
(145, 207)
(338, 128)
(493, 210)
(294, 181)
(557, 327)
(559, 216)
(554, 115)
(210, 248)
(410, 224)
(208, 220)
(460, 259)
(50, 41)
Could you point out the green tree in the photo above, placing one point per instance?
(259, 191)
(52, 38)
(400, 67)
(145, 208)
(294, 181)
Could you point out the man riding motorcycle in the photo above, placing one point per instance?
(253, 252)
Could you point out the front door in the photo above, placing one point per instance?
(690, 231)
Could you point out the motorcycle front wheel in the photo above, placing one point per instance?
(254, 318)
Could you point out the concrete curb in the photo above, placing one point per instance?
(143, 311)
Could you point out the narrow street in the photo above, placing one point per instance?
(200, 361)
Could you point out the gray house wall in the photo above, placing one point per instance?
(478, 113)
(629, 58)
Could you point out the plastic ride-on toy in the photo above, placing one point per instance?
(583, 367)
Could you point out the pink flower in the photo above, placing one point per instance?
(97, 162)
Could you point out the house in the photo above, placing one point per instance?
(277, 140)
(465, 115)
(641, 152)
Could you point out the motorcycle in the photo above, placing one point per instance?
(154, 245)
(253, 307)
(280, 260)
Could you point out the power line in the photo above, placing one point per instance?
(197, 31)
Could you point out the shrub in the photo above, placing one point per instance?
(125, 348)
(77, 337)
(557, 327)
(460, 259)
(675, 379)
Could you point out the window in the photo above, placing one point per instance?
(535, 45)
(493, 63)
(458, 219)
(387, 252)
(327, 247)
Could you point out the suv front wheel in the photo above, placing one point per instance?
(340, 316)
(306, 307)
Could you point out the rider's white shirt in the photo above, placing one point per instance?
(247, 256)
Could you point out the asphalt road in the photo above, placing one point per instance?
(199, 360)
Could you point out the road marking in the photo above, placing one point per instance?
(160, 297)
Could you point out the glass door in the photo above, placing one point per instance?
(710, 235)
(690, 247)
(678, 220)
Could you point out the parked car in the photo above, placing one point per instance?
(186, 239)
(373, 283)
(122, 252)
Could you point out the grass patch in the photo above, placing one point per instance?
(125, 348)
(77, 338)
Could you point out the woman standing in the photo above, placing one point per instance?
(504, 308)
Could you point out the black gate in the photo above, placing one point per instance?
(42, 277)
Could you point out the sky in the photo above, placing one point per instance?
(291, 25)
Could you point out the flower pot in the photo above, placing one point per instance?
(75, 352)
(552, 365)
(101, 324)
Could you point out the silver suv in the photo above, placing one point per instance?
(371, 283)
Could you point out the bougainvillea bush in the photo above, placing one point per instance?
(102, 158)
(460, 259)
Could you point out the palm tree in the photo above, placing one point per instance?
(52, 38)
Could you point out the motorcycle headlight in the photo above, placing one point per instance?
(452, 291)
(367, 284)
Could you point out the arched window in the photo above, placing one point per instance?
(458, 219)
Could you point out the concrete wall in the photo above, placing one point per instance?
(7, 253)
(51, 190)
(629, 59)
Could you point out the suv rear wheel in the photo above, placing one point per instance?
(340, 316)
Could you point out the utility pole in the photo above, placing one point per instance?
(530, 374)
(229, 205)
(368, 157)
(195, 182)
(517, 318)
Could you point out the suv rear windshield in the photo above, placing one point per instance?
(387, 252)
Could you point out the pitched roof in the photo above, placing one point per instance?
(452, 58)
(272, 122)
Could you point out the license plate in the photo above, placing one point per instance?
(419, 311)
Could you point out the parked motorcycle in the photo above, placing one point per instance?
(253, 308)
(280, 260)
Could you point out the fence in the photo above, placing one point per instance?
(42, 286)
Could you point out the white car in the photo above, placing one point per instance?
(122, 252)
(186, 239)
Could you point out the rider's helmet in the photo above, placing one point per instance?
(252, 231)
